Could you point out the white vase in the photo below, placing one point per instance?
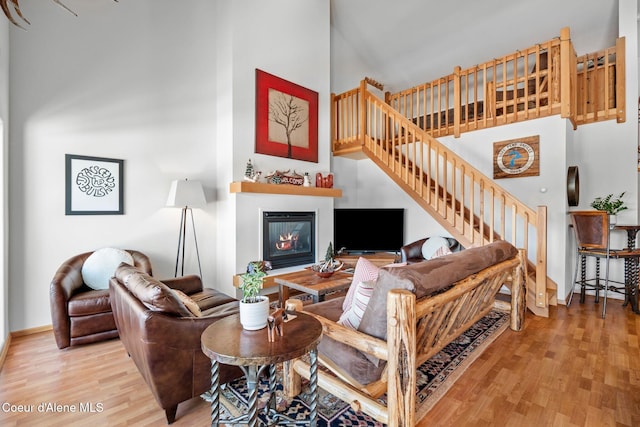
(613, 220)
(253, 315)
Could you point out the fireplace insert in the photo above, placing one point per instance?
(288, 238)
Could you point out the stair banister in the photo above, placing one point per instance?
(432, 174)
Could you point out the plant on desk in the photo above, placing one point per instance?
(611, 205)
(254, 308)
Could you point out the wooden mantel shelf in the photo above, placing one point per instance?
(294, 190)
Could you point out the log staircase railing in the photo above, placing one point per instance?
(468, 204)
(542, 80)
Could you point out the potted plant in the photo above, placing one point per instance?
(254, 308)
(610, 204)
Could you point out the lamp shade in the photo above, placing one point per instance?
(186, 193)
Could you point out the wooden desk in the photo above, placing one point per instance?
(225, 341)
(309, 282)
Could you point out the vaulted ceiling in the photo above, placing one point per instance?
(408, 42)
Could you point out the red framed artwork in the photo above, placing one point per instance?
(286, 118)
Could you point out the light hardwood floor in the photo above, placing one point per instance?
(573, 369)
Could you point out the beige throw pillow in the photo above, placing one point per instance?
(188, 302)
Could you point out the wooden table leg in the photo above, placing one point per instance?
(283, 294)
(292, 382)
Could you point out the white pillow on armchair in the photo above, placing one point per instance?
(100, 266)
(435, 247)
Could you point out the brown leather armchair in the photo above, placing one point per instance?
(79, 314)
(163, 337)
(412, 252)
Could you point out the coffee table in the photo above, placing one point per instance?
(225, 341)
(309, 282)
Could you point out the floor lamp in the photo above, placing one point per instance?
(186, 194)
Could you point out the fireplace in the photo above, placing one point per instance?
(288, 238)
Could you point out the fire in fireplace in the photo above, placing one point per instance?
(288, 238)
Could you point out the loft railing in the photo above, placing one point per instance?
(468, 204)
(542, 80)
(600, 85)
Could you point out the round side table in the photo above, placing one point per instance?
(225, 341)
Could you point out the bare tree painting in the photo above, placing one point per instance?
(288, 120)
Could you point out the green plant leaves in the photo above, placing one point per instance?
(610, 204)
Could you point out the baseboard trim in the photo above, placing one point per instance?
(22, 333)
(31, 331)
(5, 350)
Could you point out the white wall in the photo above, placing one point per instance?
(347, 65)
(289, 39)
(169, 89)
(129, 80)
(4, 217)
(366, 186)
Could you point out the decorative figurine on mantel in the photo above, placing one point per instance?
(285, 177)
(324, 181)
(250, 174)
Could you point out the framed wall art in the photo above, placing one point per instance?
(93, 185)
(286, 118)
(516, 157)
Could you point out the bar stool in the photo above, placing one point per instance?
(592, 233)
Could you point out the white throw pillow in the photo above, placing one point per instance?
(365, 270)
(435, 247)
(361, 296)
(102, 264)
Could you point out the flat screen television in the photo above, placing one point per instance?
(366, 230)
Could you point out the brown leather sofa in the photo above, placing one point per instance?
(162, 335)
(79, 314)
(412, 252)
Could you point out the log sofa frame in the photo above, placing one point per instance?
(416, 331)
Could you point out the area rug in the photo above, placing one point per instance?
(434, 378)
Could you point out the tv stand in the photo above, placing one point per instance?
(377, 258)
